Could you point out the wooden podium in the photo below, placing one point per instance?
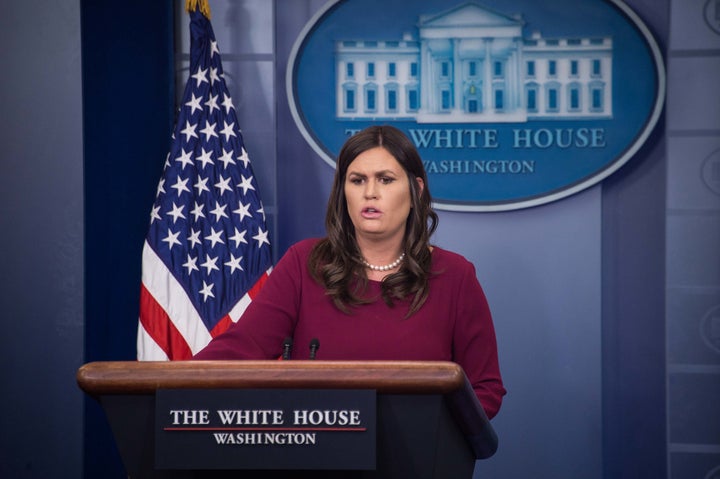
(429, 423)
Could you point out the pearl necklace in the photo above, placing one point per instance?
(386, 267)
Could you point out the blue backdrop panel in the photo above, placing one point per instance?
(128, 102)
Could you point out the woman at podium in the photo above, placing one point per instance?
(374, 288)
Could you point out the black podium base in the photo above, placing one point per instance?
(416, 439)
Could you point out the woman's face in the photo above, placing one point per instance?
(378, 195)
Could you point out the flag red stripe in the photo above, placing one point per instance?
(158, 325)
(258, 286)
(221, 326)
(227, 321)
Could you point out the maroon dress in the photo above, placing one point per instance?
(454, 323)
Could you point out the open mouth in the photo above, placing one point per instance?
(370, 212)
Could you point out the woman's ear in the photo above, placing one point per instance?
(421, 186)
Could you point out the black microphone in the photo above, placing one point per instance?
(287, 347)
(314, 346)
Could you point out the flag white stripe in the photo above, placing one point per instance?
(147, 348)
(242, 305)
(170, 295)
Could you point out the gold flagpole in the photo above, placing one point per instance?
(203, 5)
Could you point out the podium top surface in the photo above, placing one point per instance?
(397, 377)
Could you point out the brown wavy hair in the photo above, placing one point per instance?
(335, 261)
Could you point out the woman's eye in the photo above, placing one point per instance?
(386, 180)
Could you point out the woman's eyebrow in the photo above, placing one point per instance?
(376, 173)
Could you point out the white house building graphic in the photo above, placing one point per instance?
(472, 64)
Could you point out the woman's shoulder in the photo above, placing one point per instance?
(294, 259)
(446, 261)
(448, 257)
(302, 248)
(305, 244)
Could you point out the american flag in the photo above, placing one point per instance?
(207, 250)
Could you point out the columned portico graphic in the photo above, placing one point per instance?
(470, 64)
(510, 105)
